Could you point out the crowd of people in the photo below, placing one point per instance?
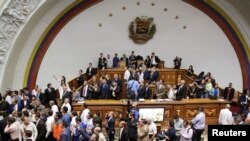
(131, 61)
(34, 115)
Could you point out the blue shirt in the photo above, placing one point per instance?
(134, 85)
(115, 62)
(136, 112)
(66, 118)
(199, 121)
(171, 134)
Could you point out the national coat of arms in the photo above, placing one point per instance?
(142, 29)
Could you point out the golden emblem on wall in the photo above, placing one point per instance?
(142, 29)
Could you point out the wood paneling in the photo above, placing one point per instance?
(185, 108)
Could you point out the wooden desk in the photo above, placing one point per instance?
(185, 108)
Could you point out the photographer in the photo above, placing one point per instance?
(177, 62)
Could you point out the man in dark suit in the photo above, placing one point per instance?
(177, 62)
(110, 126)
(117, 80)
(132, 127)
(80, 78)
(115, 91)
(4, 105)
(154, 60)
(146, 73)
(27, 92)
(148, 91)
(41, 128)
(141, 91)
(123, 135)
(66, 94)
(132, 60)
(41, 96)
(102, 62)
(50, 94)
(25, 103)
(229, 92)
(85, 93)
(90, 71)
(15, 107)
(3, 124)
(181, 92)
(154, 75)
(134, 74)
(104, 90)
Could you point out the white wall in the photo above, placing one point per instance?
(203, 44)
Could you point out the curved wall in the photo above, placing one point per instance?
(202, 44)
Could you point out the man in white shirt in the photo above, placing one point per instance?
(9, 98)
(35, 90)
(152, 129)
(123, 134)
(50, 121)
(225, 117)
(54, 107)
(109, 61)
(85, 112)
(27, 125)
(66, 103)
(126, 74)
